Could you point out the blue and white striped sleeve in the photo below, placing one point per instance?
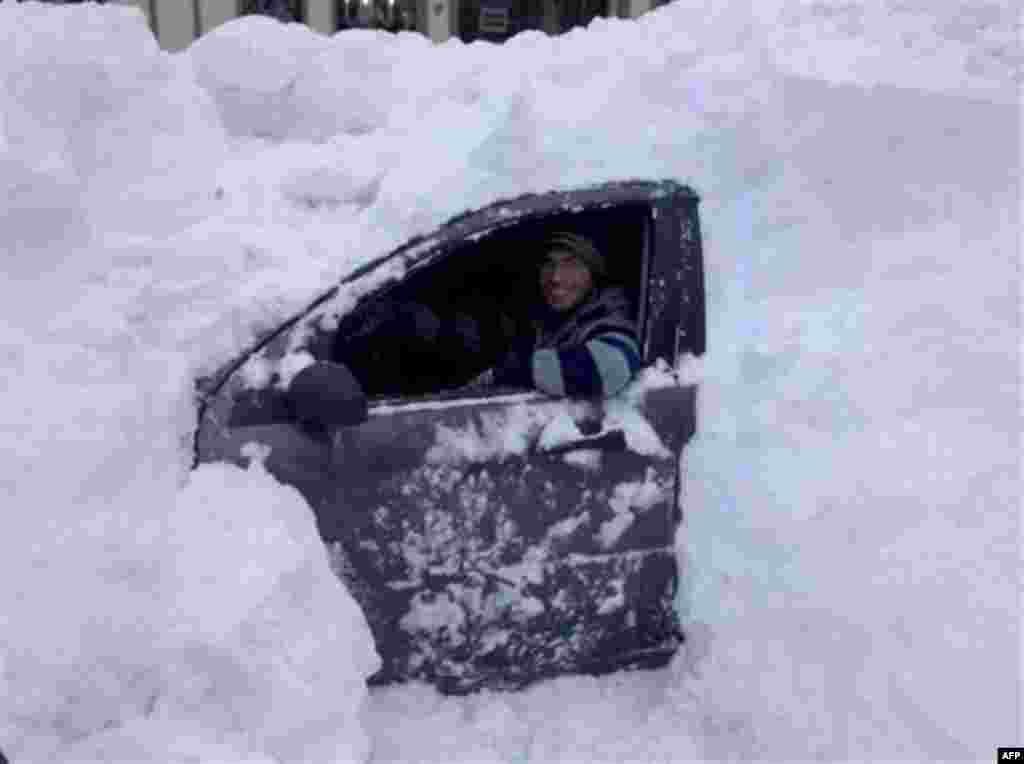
(600, 367)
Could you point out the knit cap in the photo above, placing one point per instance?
(582, 247)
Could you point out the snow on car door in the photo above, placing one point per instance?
(497, 540)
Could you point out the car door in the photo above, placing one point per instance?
(495, 538)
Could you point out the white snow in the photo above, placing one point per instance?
(611, 530)
(639, 495)
(615, 599)
(560, 430)
(434, 614)
(543, 425)
(497, 435)
(851, 539)
(586, 458)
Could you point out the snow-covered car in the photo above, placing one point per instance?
(492, 536)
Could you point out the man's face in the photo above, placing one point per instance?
(565, 280)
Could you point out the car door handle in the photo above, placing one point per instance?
(610, 440)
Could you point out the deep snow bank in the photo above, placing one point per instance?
(850, 503)
(145, 614)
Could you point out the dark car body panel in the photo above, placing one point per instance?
(522, 557)
(481, 563)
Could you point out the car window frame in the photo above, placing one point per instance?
(424, 250)
(386, 404)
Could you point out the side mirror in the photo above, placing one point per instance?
(328, 394)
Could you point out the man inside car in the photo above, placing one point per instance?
(582, 341)
(579, 341)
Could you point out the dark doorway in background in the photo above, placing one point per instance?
(389, 15)
(576, 13)
(282, 10)
(498, 20)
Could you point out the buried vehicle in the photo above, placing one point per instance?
(492, 536)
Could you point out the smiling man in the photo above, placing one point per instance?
(582, 342)
(578, 341)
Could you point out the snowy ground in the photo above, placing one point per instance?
(852, 532)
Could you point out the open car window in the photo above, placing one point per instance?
(432, 334)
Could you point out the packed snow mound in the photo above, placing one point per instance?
(251, 66)
(286, 82)
(110, 118)
(133, 599)
(971, 48)
(850, 501)
(142, 602)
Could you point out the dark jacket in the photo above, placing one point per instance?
(593, 351)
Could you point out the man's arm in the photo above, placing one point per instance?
(599, 367)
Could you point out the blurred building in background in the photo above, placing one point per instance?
(176, 23)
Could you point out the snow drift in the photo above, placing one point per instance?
(850, 506)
